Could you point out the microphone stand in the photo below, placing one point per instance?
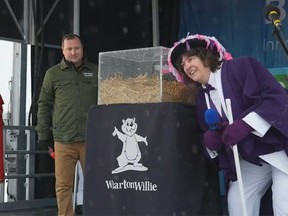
(279, 37)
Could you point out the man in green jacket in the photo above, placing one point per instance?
(68, 91)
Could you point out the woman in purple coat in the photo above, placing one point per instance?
(260, 111)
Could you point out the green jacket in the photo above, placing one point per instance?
(65, 98)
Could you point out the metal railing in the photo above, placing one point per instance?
(20, 156)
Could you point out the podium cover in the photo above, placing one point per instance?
(147, 159)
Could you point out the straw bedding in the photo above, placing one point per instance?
(144, 89)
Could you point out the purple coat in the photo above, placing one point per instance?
(251, 87)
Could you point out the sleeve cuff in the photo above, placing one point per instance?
(259, 125)
(213, 154)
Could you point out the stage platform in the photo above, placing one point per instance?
(48, 211)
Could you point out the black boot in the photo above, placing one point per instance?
(79, 209)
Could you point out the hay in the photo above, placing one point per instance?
(143, 89)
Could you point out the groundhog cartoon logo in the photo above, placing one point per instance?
(130, 154)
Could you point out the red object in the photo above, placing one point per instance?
(1, 142)
(51, 152)
(52, 155)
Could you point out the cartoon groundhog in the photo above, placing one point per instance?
(131, 154)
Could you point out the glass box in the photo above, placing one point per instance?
(138, 76)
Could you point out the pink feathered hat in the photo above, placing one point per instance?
(190, 42)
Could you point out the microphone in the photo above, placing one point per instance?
(272, 14)
(212, 119)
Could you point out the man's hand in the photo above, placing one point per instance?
(44, 144)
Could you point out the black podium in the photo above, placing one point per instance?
(147, 159)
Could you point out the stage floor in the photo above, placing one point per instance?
(48, 211)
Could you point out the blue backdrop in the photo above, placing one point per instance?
(240, 26)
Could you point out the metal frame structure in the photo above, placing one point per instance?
(23, 151)
(20, 170)
(19, 140)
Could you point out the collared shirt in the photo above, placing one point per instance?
(253, 119)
